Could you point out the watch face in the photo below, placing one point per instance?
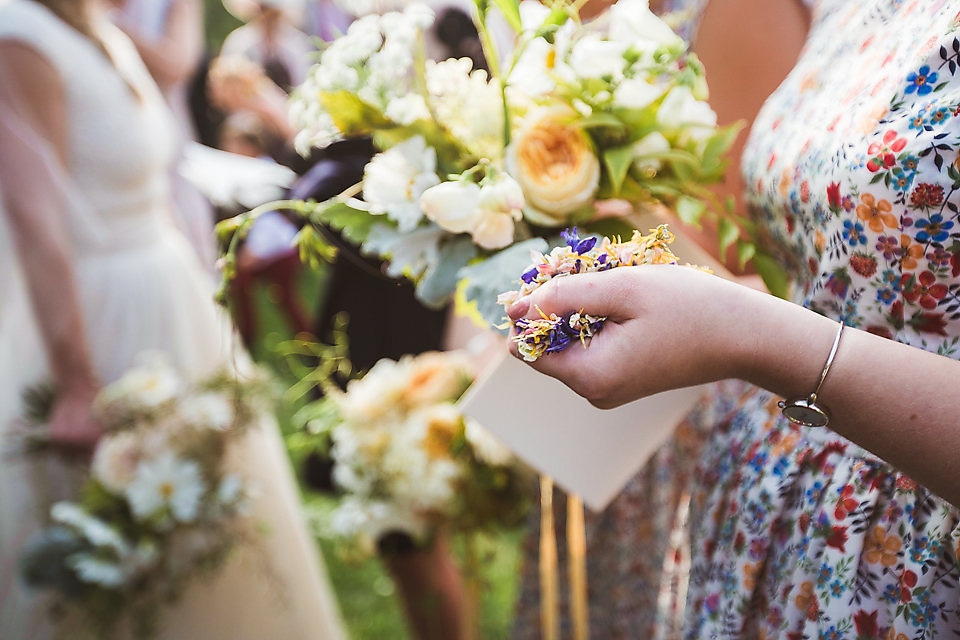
(805, 413)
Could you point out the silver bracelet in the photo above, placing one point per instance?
(805, 410)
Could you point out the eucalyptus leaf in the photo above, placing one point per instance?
(438, 283)
(501, 272)
(409, 254)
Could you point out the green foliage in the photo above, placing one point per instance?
(617, 162)
(501, 272)
(510, 10)
(773, 274)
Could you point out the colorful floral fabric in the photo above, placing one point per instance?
(854, 169)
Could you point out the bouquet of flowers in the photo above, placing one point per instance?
(159, 506)
(407, 461)
(476, 169)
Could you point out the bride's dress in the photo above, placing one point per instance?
(141, 287)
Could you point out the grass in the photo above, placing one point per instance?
(365, 591)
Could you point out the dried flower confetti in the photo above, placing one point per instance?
(551, 333)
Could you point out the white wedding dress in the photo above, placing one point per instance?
(141, 287)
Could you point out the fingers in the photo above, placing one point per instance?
(607, 293)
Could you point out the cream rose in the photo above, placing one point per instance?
(554, 163)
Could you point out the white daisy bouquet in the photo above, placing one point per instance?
(159, 506)
(476, 169)
(406, 461)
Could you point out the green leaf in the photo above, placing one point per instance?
(618, 161)
(600, 119)
(745, 252)
(773, 274)
(355, 224)
(611, 228)
(487, 279)
(689, 210)
(511, 11)
(727, 233)
(439, 281)
(720, 142)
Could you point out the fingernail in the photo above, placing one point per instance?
(518, 309)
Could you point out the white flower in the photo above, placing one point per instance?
(149, 386)
(499, 206)
(208, 410)
(407, 109)
(377, 395)
(230, 491)
(452, 205)
(333, 76)
(115, 460)
(595, 57)
(467, 104)
(362, 39)
(681, 109)
(632, 22)
(419, 15)
(533, 14)
(649, 145)
(487, 448)
(532, 75)
(636, 93)
(94, 570)
(167, 482)
(394, 180)
(93, 529)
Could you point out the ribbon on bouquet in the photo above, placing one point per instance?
(576, 566)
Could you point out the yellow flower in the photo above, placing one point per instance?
(555, 164)
(881, 547)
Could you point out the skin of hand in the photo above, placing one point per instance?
(671, 326)
(32, 136)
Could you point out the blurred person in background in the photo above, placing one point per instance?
(93, 273)
(168, 35)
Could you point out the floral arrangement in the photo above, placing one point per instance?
(159, 505)
(551, 333)
(405, 459)
(475, 169)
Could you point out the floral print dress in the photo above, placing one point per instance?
(853, 169)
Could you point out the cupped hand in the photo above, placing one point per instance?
(667, 327)
(72, 425)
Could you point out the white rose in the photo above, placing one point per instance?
(452, 205)
(631, 21)
(394, 180)
(554, 163)
(500, 205)
(636, 93)
(650, 144)
(594, 57)
(681, 110)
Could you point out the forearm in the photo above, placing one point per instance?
(172, 57)
(32, 209)
(898, 402)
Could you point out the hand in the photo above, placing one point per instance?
(72, 425)
(667, 327)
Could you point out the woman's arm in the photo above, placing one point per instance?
(671, 327)
(172, 57)
(33, 140)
